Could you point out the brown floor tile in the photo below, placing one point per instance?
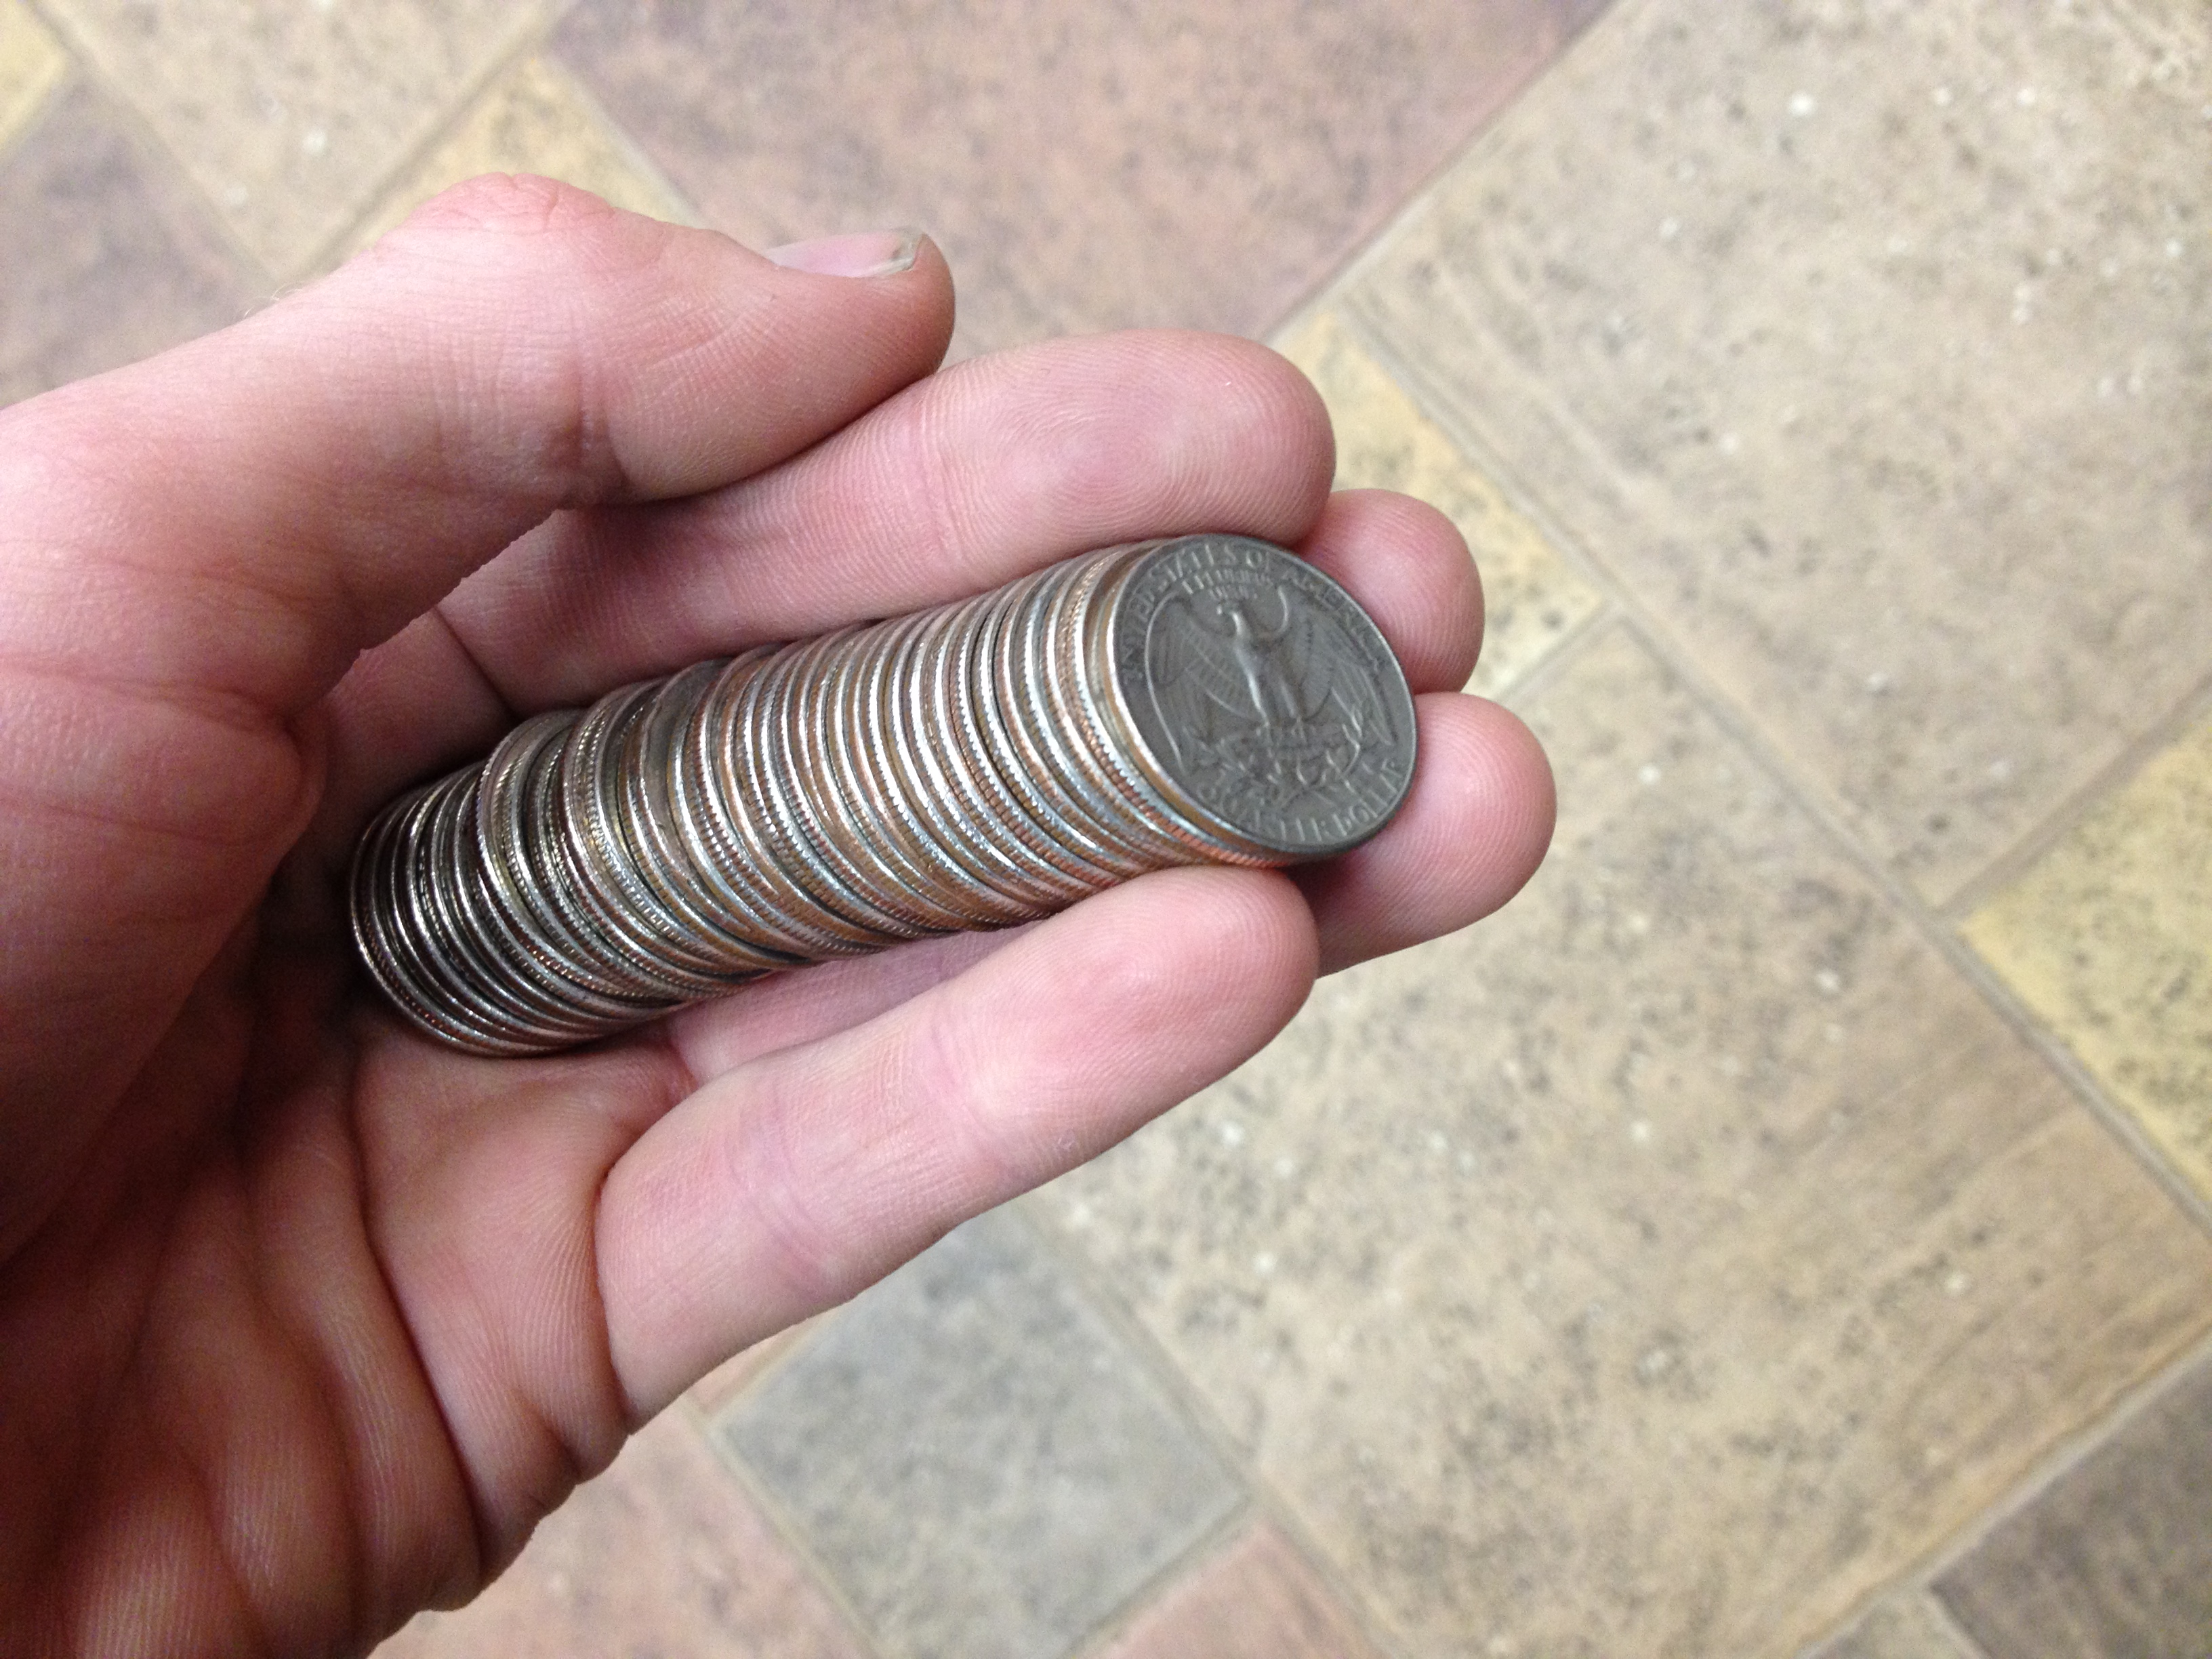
(1083, 166)
(2115, 1561)
(1663, 1265)
(32, 64)
(1259, 1599)
(2109, 939)
(290, 117)
(534, 118)
(1906, 1626)
(108, 257)
(1876, 357)
(663, 1554)
(1531, 597)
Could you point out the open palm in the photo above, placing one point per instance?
(306, 1322)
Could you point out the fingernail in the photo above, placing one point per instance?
(861, 253)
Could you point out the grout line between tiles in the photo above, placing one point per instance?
(18, 126)
(813, 1326)
(1940, 1610)
(42, 103)
(536, 42)
(1385, 230)
(1214, 1543)
(794, 1539)
(642, 160)
(529, 36)
(2016, 861)
(529, 39)
(1539, 677)
(1911, 1584)
(147, 139)
(1482, 456)
(1932, 924)
(2123, 1125)
(1264, 1501)
(1934, 928)
(2064, 1457)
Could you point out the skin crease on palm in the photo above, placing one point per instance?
(307, 1323)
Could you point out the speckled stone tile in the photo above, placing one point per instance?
(1259, 1599)
(2109, 939)
(291, 117)
(1083, 165)
(2116, 1559)
(534, 118)
(1905, 1626)
(982, 1466)
(32, 64)
(1870, 342)
(662, 1554)
(1383, 442)
(1664, 1266)
(106, 257)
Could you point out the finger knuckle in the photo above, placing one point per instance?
(520, 205)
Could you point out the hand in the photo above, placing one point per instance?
(307, 1321)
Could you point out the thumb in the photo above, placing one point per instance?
(194, 549)
(321, 472)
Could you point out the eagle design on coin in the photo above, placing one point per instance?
(1247, 685)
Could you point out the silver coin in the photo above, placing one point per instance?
(1259, 698)
(534, 922)
(652, 824)
(851, 734)
(605, 881)
(1052, 728)
(836, 818)
(409, 946)
(728, 816)
(767, 779)
(701, 821)
(989, 761)
(935, 733)
(562, 862)
(1164, 835)
(1004, 700)
(471, 966)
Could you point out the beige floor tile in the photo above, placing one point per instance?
(534, 118)
(1383, 442)
(32, 64)
(1664, 1266)
(2109, 939)
(1258, 1599)
(291, 117)
(1871, 345)
(1904, 1626)
(663, 1554)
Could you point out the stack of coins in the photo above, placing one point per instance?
(1210, 699)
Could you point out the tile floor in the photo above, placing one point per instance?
(1787, 1227)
